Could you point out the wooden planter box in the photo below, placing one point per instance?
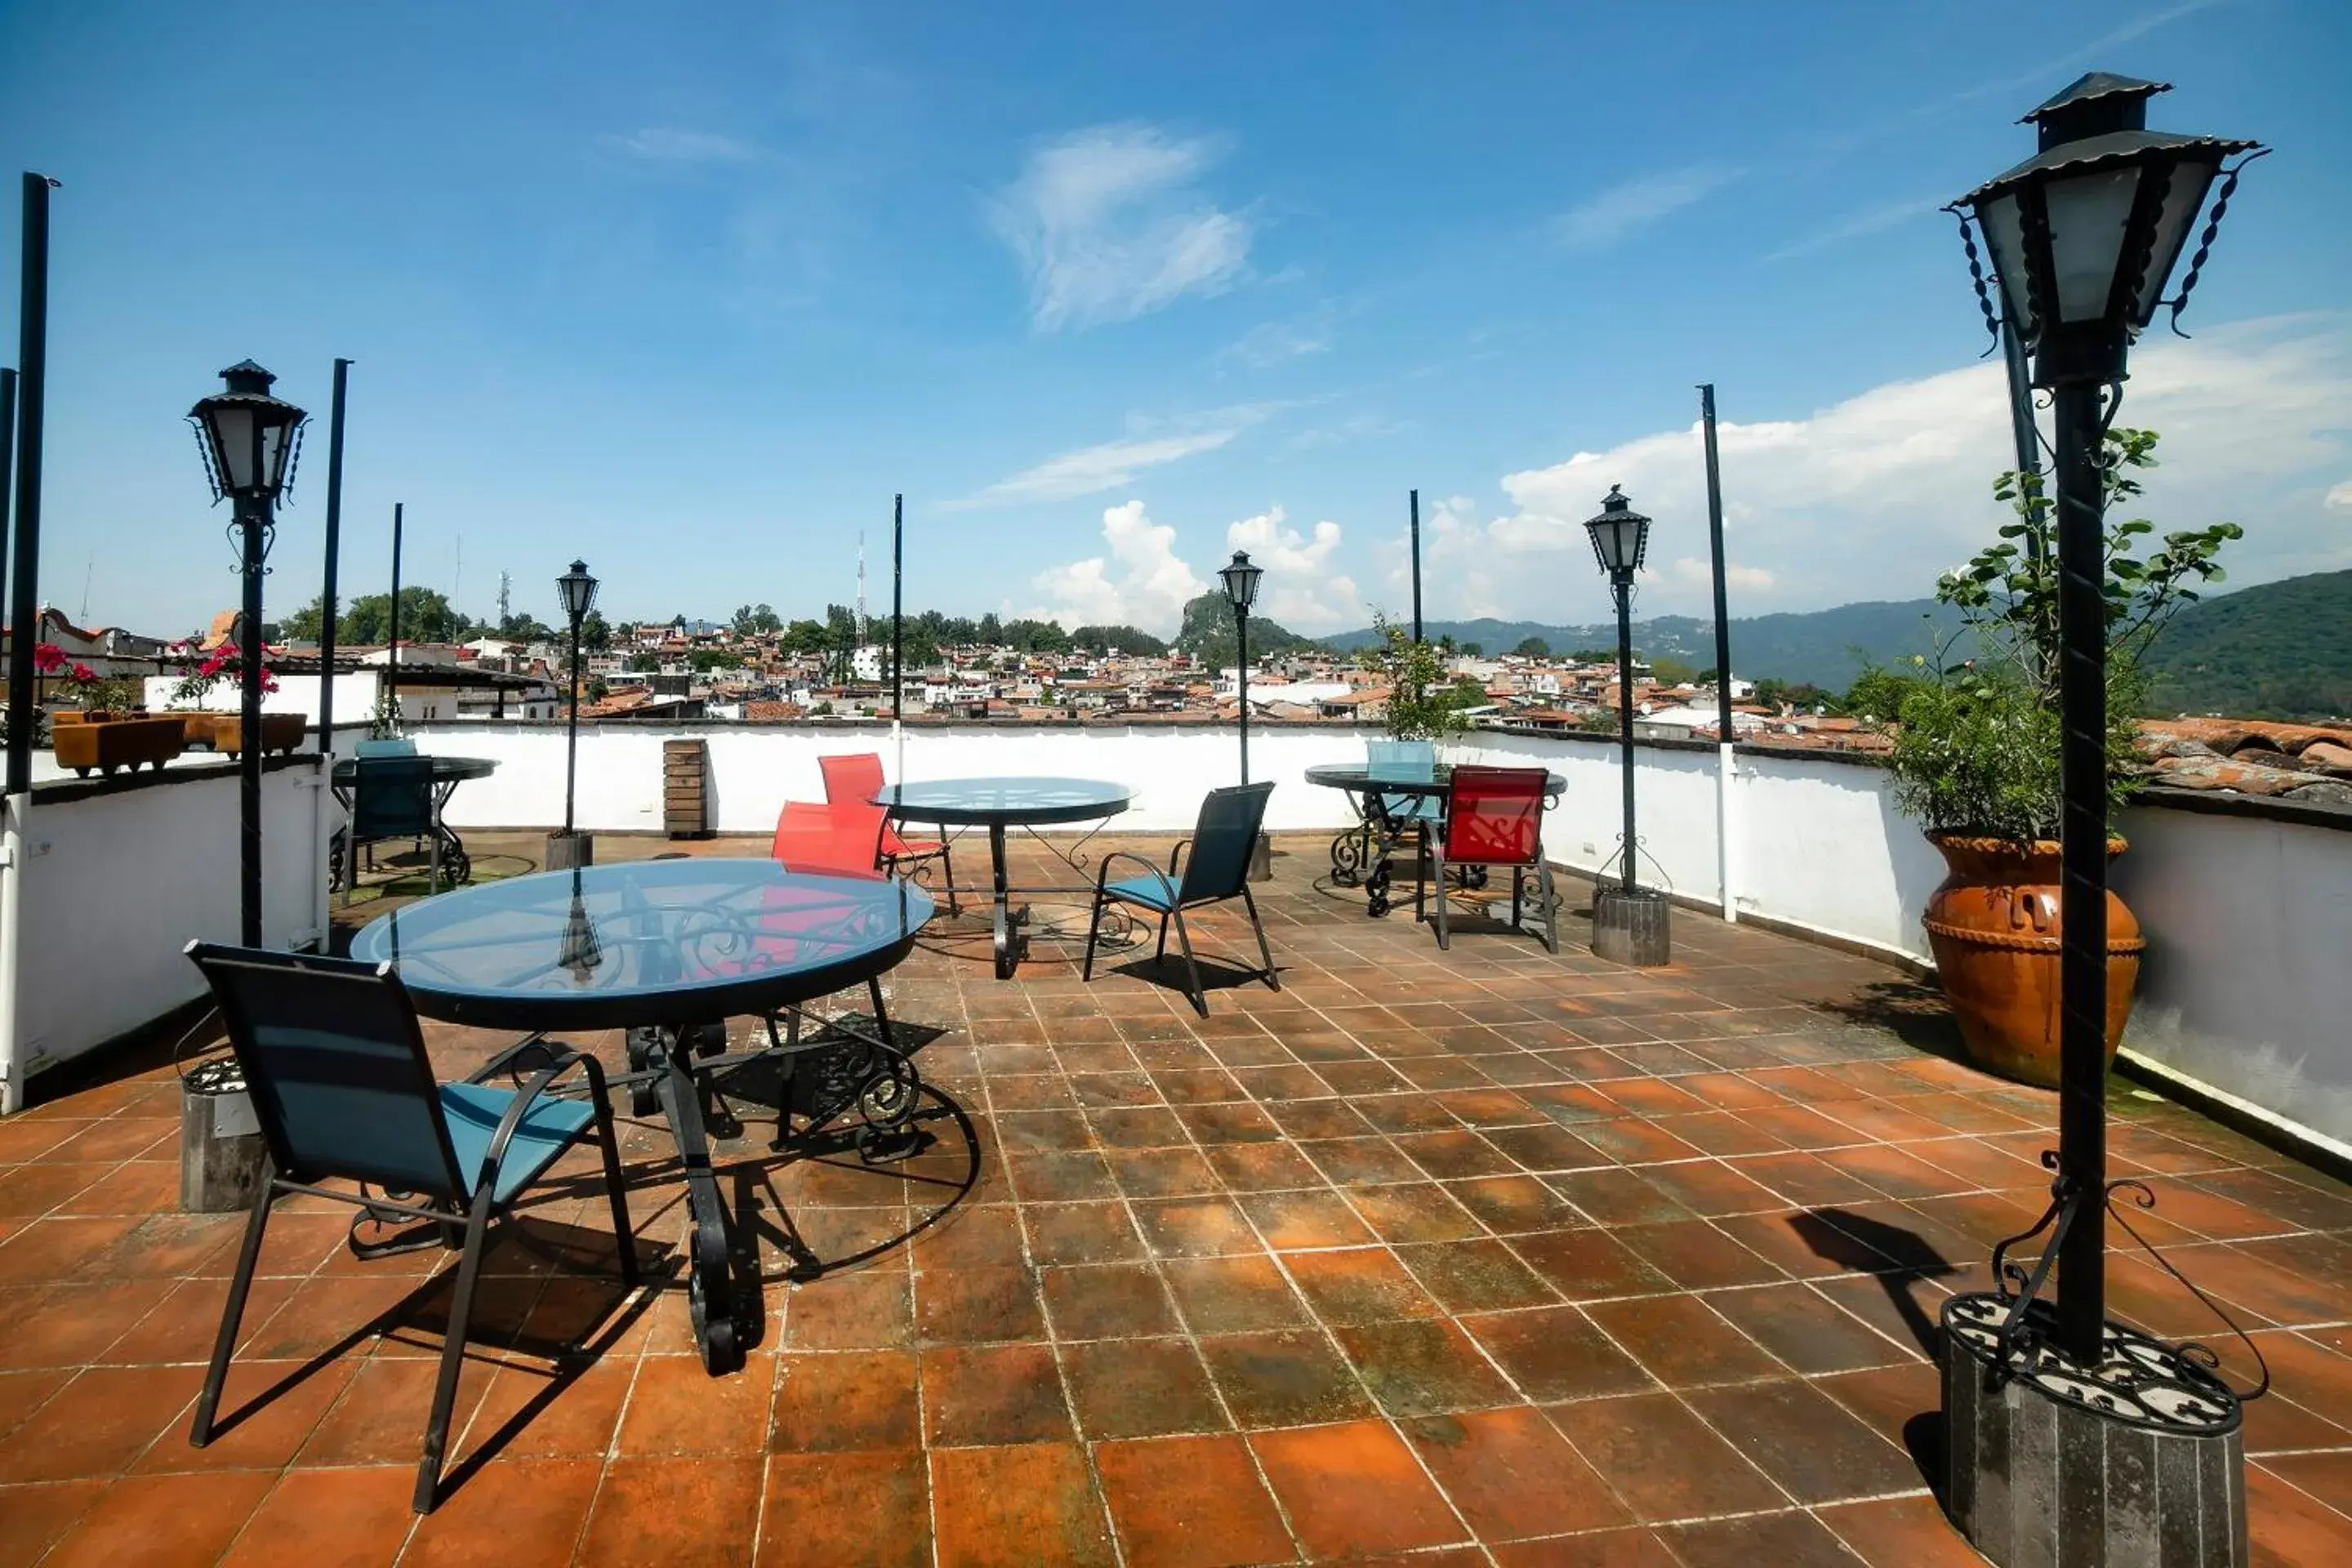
(280, 732)
(107, 745)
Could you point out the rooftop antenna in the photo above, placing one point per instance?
(88, 567)
(506, 582)
(861, 586)
(457, 572)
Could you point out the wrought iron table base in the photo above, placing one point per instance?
(678, 1071)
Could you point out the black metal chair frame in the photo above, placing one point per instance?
(1177, 904)
(462, 1223)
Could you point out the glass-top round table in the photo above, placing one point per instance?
(998, 803)
(664, 949)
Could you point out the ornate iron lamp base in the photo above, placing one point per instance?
(2138, 1461)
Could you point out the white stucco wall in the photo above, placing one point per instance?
(755, 769)
(116, 884)
(2247, 985)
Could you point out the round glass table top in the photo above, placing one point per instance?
(645, 942)
(1006, 800)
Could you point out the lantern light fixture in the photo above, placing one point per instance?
(251, 441)
(1241, 581)
(1621, 536)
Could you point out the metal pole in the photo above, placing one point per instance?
(898, 633)
(2083, 902)
(335, 556)
(571, 732)
(33, 368)
(1416, 565)
(8, 453)
(1241, 641)
(1622, 586)
(2020, 413)
(1725, 734)
(392, 666)
(252, 518)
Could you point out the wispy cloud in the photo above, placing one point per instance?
(1109, 223)
(1634, 205)
(1875, 220)
(1270, 343)
(675, 144)
(2082, 53)
(1110, 465)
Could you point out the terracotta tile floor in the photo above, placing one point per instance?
(1482, 1257)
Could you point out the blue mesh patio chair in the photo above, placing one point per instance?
(1217, 870)
(392, 797)
(1413, 816)
(344, 1092)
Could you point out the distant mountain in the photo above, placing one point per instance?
(2278, 650)
(1822, 647)
(1208, 632)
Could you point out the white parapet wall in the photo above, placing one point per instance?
(117, 876)
(2246, 991)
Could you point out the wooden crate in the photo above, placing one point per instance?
(685, 789)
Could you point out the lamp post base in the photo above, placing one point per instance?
(567, 850)
(1631, 926)
(2140, 1460)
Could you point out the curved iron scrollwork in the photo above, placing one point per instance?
(2138, 1379)
(1349, 850)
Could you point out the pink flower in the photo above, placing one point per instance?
(83, 673)
(48, 657)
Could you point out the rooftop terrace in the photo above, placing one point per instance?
(1487, 1256)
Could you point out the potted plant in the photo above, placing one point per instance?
(1976, 759)
(1423, 704)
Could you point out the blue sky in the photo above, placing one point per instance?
(1106, 290)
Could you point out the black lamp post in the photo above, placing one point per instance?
(1241, 581)
(577, 592)
(1629, 923)
(2083, 237)
(1241, 592)
(250, 441)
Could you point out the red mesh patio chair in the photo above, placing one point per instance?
(855, 778)
(1494, 816)
(833, 841)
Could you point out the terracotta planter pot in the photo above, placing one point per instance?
(1994, 928)
(279, 732)
(108, 744)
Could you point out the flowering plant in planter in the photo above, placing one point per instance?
(223, 663)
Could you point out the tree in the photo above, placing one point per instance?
(520, 627)
(1669, 671)
(990, 632)
(595, 635)
(1474, 650)
(1121, 639)
(643, 663)
(426, 615)
(703, 660)
(1533, 647)
(753, 620)
(804, 635)
(1593, 655)
(1878, 695)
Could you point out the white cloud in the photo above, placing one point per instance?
(1106, 466)
(1871, 497)
(1109, 225)
(1141, 581)
(673, 145)
(1302, 587)
(1609, 217)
